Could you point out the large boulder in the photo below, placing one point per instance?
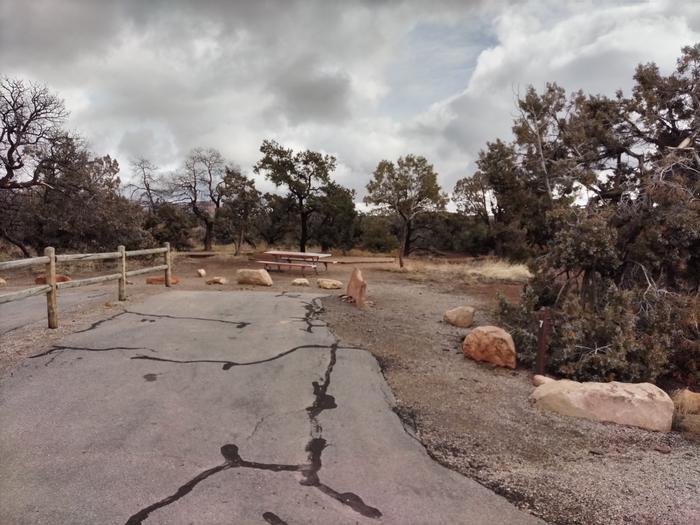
(357, 288)
(461, 316)
(60, 278)
(300, 281)
(491, 344)
(329, 284)
(634, 404)
(254, 277)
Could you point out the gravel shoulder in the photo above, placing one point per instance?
(476, 419)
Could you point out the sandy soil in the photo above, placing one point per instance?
(471, 417)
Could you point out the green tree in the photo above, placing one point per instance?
(620, 272)
(304, 174)
(407, 189)
(272, 223)
(333, 224)
(240, 209)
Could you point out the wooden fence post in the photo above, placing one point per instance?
(168, 262)
(51, 306)
(122, 270)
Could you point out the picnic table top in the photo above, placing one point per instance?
(298, 255)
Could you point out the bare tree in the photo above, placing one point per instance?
(201, 184)
(146, 189)
(31, 119)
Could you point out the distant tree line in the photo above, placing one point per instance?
(54, 191)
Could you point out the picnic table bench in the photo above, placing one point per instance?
(301, 260)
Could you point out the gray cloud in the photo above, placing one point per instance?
(363, 80)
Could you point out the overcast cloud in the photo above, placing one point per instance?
(361, 80)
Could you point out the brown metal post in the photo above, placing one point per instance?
(51, 305)
(168, 262)
(542, 339)
(122, 270)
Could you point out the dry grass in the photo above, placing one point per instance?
(481, 270)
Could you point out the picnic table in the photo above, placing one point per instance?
(302, 260)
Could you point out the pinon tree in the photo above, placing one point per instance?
(304, 174)
(240, 209)
(406, 188)
(620, 273)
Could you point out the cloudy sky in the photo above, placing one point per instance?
(363, 80)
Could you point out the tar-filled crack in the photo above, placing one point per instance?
(85, 349)
(237, 324)
(313, 310)
(227, 365)
(273, 519)
(98, 323)
(314, 448)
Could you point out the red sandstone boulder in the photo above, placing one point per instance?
(357, 288)
(490, 344)
(160, 279)
(60, 278)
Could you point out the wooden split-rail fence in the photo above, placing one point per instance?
(50, 260)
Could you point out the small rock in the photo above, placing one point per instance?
(255, 277)
(217, 280)
(301, 281)
(461, 316)
(3, 282)
(329, 284)
(202, 272)
(538, 380)
(490, 344)
(664, 449)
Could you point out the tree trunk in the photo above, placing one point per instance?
(404, 242)
(239, 242)
(208, 236)
(407, 239)
(304, 233)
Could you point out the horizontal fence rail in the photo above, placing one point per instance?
(22, 263)
(50, 260)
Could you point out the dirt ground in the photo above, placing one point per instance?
(473, 418)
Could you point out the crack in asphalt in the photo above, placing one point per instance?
(227, 365)
(85, 349)
(313, 309)
(98, 323)
(309, 471)
(237, 324)
(273, 519)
